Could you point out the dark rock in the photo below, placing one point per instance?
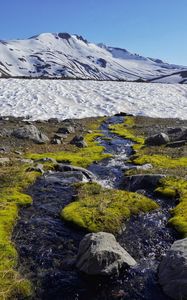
(3, 150)
(100, 254)
(53, 120)
(123, 114)
(56, 141)
(176, 144)
(173, 271)
(60, 136)
(174, 130)
(157, 139)
(66, 168)
(143, 181)
(66, 130)
(30, 132)
(78, 141)
(183, 135)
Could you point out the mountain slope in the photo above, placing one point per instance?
(63, 55)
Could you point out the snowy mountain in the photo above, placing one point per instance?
(63, 55)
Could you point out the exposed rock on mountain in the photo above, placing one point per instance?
(63, 55)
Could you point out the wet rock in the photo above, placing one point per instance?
(78, 141)
(100, 254)
(66, 168)
(30, 132)
(66, 178)
(143, 181)
(157, 139)
(66, 130)
(173, 271)
(4, 161)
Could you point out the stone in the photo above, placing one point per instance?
(60, 136)
(173, 271)
(4, 161)
(100, 254)
(66, 130)
(142, 181)
(30, 132)
(37, 168)
(157, 139)
(69, 168)
(56, 141)
(78, 141)
(25, 161)
(176, 144)
(174, 130)
(183, 135)
(46, 159)
(18, 152)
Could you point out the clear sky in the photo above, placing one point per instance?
(155, 28)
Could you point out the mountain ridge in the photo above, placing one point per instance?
(61, 55)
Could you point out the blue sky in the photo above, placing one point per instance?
(155, 28)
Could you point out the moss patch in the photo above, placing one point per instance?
(101, 209)
(82, 157)
(176, 187)
(14, 179)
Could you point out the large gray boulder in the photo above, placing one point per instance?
(157, 139)
(30, 132)
(100, 254)
(142, 181)
(173, 271)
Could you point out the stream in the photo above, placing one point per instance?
(47, 246)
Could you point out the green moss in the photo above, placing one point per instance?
(161, 161)
(126, 130)
(13, 180)
(101, 209)
(177, 188)
(82, 157)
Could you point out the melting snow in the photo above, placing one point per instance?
(44, 99)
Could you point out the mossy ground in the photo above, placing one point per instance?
(101, 209)
(164, 160)
(82, 157)
(173, 187)
(13, 180)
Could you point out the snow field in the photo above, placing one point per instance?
(44, 99)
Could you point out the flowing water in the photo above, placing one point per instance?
(48, 246)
